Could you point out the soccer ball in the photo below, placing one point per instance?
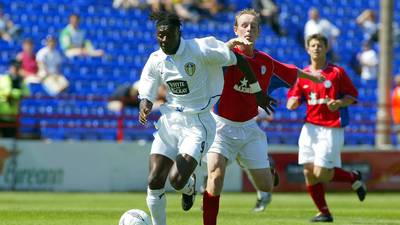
(134, 217)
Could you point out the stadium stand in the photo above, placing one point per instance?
(127, 38)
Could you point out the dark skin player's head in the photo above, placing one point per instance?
(168, 32)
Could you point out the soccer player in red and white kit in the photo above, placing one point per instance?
(322, 136)
(237, 134)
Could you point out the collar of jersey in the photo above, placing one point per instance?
(182, 45)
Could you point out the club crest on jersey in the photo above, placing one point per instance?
(190, 68)
(328, 84)
(263, 69)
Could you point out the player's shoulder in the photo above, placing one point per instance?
(262, 55)
(338, 69)
(205, 42)
(157, 55)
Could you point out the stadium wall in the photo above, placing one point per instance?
(380, 169)
(84, 166)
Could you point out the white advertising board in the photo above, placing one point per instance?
(84, 166)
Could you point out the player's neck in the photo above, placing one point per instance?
(248, 51)
(318, 64)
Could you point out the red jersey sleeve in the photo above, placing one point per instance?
(347, 88)
(285, 72)
(295, 91)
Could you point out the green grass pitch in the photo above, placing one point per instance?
(40, 208)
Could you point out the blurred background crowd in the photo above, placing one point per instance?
(69, 67)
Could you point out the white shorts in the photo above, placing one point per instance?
(243, 140)
(183, 133)
(321, 145)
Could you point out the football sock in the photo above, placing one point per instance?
(317, 194)
(156, 202)
(262, 194)
(189, 187)
(341, 175)
(210, 208)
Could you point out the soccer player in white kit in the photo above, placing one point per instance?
(322, 136)
(192, 71)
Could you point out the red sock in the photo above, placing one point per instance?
(341, 175)
(210, 209)
(317, 194)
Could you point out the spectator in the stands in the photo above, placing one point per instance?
(369, 62)
(8, 30)
(29, 67)
(191, 10)
(269, 13)
(127, 4)
(369, 25)
(396, 107)
(74, 42)
(49, 60)
(127, 95)
(12, 89)
(316, 24)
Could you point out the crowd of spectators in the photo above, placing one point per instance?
(45, 65)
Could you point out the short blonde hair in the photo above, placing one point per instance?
(250, 12)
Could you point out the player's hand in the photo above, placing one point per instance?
(333, 105)
(144, 110)
(266, 102)
(238, 41)
(318, 78)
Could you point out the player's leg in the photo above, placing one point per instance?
(216, 164)
(183, 180)
(263, 198)
(161, 161)
(156, 199)
(354, 178)
(307, 155)
(254, 157)
(317, 193)
(328, 162)
(218, 157)
(196, 135)
(263, 182)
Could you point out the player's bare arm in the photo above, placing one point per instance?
(335, 104)
(264, 101)
(293, 103)
(315, 77)
(145, 107)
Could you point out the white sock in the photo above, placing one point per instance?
(189, 187)
(157, 202)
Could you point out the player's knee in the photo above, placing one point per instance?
(267, 187)
(264, 183)
(156, 181)
(308, 173)
(177, 181)
(215, 182)
(323, 175)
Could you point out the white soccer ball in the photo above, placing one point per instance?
(134, 217)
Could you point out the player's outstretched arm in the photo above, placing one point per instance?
(237, 41)
(145, 107)
(264, 101)
(316, 77)
(292, 103)
(334, 105)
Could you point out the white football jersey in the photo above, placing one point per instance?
(193, 76)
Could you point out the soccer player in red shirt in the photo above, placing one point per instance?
(237, 134)
(322, 135)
